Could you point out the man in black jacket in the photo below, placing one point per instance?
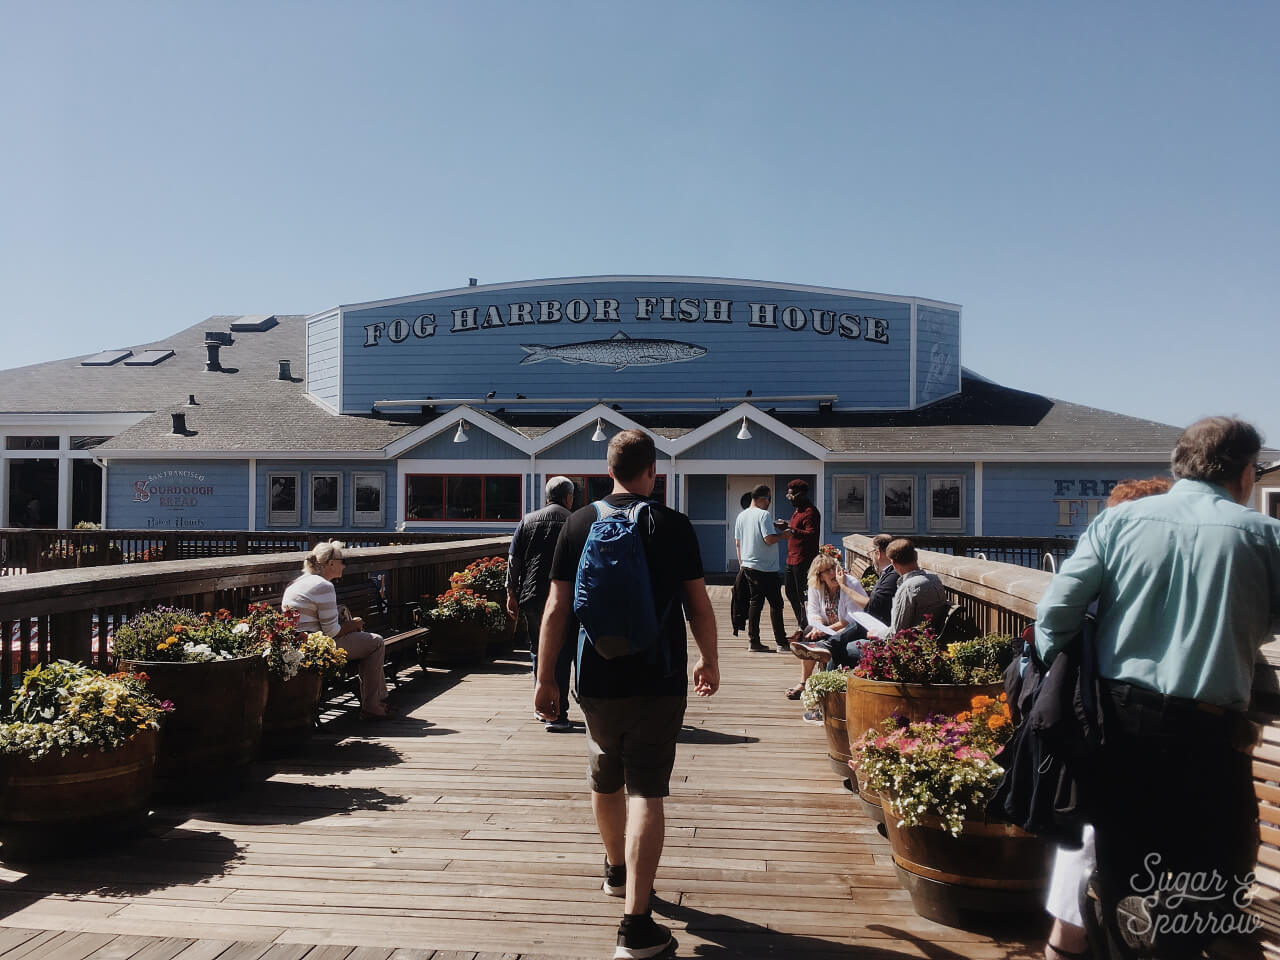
(529, 581)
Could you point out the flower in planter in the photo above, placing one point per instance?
(462, 605)
(320, 652)
(63, 706)
(914, 656)
(822, 682)
(178, 635)
(486, 575)
(940, 767)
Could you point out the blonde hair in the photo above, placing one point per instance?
(322, 553)
(820, 562)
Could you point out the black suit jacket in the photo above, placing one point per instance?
(880, 602)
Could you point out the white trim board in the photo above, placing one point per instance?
(632, 278)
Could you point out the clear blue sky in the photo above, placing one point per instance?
(1096, 183)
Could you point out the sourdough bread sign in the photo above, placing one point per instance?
(645, 338)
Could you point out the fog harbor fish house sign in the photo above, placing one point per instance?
(743, 336)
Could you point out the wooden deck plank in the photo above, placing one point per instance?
(466, 827)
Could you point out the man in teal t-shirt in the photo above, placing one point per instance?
(756, 535)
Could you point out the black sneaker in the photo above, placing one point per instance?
(615, 879)
(639, 938)
(758, 647)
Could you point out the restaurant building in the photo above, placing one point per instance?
(447, 411)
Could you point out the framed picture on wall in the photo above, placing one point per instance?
(326, 499)
(283, 499)
(898, 503)
(849, 503)
(366, 499)
(946, 503)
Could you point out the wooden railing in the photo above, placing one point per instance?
(27, 550)
(1038, 553)
(1002, 599)
(69, 614)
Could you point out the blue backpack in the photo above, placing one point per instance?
(612, 594)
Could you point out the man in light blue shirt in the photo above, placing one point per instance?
(1187, 586)
(756, 534)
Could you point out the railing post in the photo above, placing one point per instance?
(71, 636)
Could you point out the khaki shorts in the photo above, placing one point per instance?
(632, 743)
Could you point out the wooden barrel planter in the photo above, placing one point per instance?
(455, 643)
(869, 801)
(868, 702)
(56, 803)
(833, 723)
(991, 868)
(290, 714)
(216, 724)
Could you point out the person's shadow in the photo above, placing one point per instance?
(733, 938)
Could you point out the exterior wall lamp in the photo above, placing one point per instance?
(461, 435)
(743, 432)
(599, 436)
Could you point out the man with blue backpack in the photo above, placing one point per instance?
(629, 571)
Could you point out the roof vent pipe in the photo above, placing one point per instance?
(179, 424)
(284, 373)
(472, 281)
(213, 363)
(191, 400)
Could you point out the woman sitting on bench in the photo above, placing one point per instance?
(316, 601)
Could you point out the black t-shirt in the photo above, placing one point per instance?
(672, 551)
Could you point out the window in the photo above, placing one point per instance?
(462, 497)
(946, 503)
(87, 443)
(282, 499)
(898, 503)
(587, 489)
(849, 503)
(326, 499)
(31, 443)
(366, 499)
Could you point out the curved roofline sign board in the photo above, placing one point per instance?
(602, 337)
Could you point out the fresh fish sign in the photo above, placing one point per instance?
(619, 352)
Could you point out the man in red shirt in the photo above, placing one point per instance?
(805, 531)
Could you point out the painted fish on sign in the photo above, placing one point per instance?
(619, 352)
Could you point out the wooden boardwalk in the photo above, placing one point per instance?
(464, 831)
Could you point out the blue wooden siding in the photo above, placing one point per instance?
(875, 473)
(937, 353)
(580, 446)
(438, 347)
(712, 547)
(1052, 499)
(480, 445)
(763, 445)
(323, 358)
(177, 495)
(345, 469)
(706, 498)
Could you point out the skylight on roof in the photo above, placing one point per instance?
(106, 358)
(255, 323)
(148, 358)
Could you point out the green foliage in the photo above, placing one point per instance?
(66, 706)
(981, 660)
(822, 682)
(460, 605)
(180, 636)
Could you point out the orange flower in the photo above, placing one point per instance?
(981, 702)
(996, 721)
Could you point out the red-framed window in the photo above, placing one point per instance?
(459, 496)
(587, 489)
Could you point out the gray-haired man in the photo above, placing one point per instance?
(529, 580)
